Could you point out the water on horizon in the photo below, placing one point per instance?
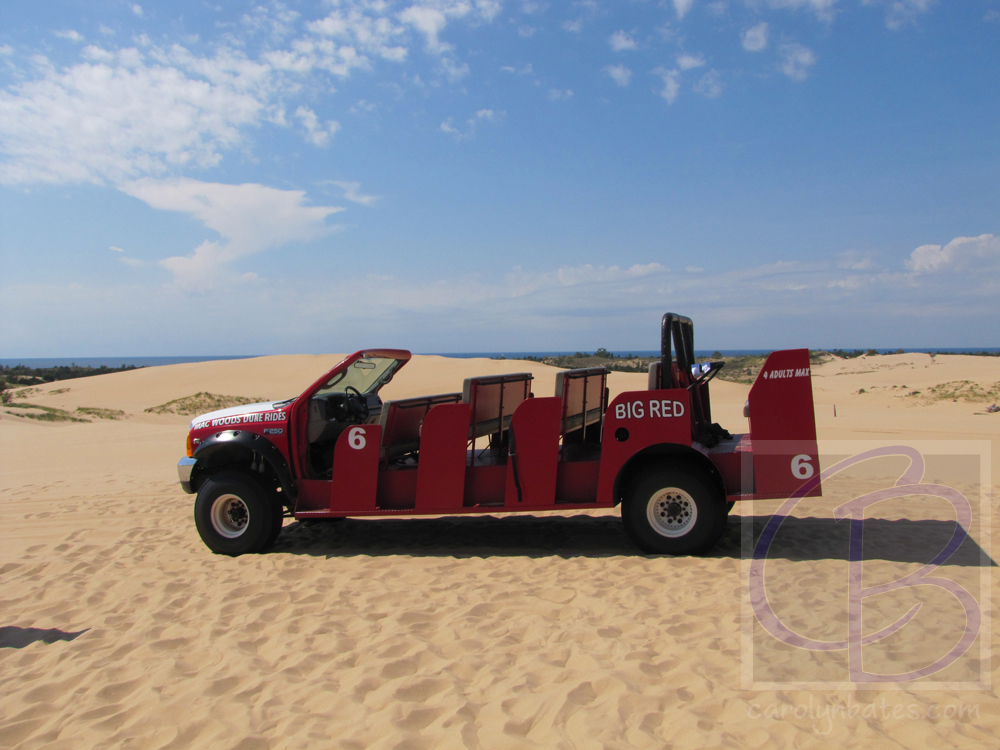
(40, 362)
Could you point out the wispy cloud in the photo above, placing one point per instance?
(471, 124)
(622, 40)
(797, 61)
(755, 38)
(249, 218)
(619, 74)
(352, 192)
(671, 83)
(686, 62)
(682, 7)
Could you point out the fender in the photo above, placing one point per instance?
(665, 453)
(238, 445)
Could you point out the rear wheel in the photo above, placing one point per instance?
(234, 514)
(674, 512)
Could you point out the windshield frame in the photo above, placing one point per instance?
(345, 368)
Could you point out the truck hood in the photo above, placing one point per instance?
(236, 411)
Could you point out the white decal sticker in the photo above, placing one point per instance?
(639, 410)
(801, 372)
(801, 467)
(356, 438)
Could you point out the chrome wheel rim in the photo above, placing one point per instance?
(672, 512)
(230, 516)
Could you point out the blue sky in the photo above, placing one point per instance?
(488, 175)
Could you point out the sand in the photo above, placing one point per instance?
(118, 628)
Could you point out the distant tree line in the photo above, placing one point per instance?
(22, 375)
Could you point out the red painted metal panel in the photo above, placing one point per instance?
(636, 420)
(314, 495)
(535, 426)
(441, 473)
(484, 485)
(783, 425)
(577, 482)
(397, 489)
(355, 468)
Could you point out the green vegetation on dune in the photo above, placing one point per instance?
(93, 411)
(199, 403)
(963, 390)
(41, 413)
(738, 369)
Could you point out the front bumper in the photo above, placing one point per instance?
(184, 468)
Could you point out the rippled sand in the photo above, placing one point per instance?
(118, 628)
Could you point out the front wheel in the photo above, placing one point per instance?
(674, 512)
(234, 514)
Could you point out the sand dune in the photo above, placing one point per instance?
(120, 629)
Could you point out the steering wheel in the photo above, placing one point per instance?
(355, 404)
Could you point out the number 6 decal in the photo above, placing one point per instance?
(356, 439)
(801, 467)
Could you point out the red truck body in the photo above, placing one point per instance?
(497, 446)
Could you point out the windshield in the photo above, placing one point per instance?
(367, 375)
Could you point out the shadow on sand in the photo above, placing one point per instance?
(15, 637)
(602, 536)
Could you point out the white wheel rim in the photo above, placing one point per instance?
(672, 512)
(230, 516)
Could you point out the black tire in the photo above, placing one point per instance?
(234, 514)
(671, 511)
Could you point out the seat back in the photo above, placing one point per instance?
(492, 400)
(654, 376)
(583, 394)
(401, 420)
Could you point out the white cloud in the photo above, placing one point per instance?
(622, 40)
(560, 95)
(124, 115)
(371, 31)
(824, 9)
(899, 13)
(574, 27)
(682, 7)
(316, 134)
(137, 9)
(73, 36)
(132, 262)
(671, 83)
(483, 115)
(709, 85)
(619, 74)
(796, 61)
(352, 192)
(116, 249)
(694, 269)
(755, 38)
(687, 62)
(6, 49)
(962, 254)
(526, 32)
(523, 70)
(430, 18)
(362, 107)
(452, 70)
(250, 218)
